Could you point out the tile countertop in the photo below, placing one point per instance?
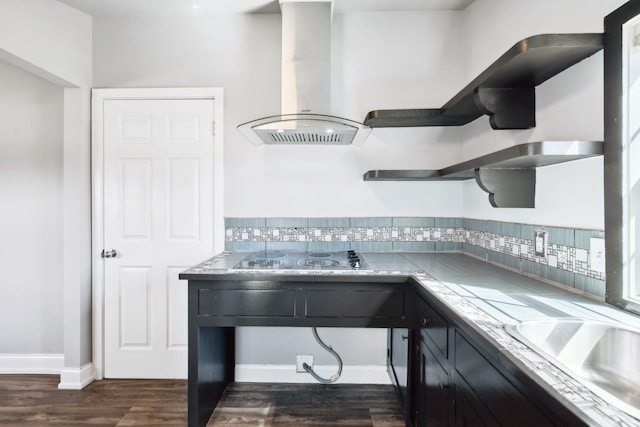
(487, 296)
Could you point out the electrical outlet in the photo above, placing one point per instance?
(300, 360)
(540, 243)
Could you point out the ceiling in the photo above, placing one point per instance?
(98, 8)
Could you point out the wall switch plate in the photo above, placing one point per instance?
(300, 360)
(596, 251)
(540, 243)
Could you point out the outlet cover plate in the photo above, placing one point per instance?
(540, 243)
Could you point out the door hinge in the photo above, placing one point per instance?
(213, 128)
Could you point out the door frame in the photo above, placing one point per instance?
(98, 97)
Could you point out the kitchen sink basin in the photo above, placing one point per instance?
(605, 357)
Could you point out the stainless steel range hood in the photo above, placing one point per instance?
(306, 84)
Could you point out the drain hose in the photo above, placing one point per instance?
(309, 369)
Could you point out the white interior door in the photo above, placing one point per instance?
(158, 217)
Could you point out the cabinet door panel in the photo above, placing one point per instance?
(240, 302)
(356, 303)
(468, 416)
(433, 326)
(398, 359)
(504, 401)
(433, 394)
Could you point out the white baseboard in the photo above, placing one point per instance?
(357, 374)
(76, 378)
(31, 363)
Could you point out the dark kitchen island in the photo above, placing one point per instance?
(222, 297)
(454, 307)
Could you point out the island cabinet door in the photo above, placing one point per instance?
(432, 391)
(495, 399)
(283, 303)
(432, 382)
(247, 302)
(469, 415)
(398, 361)
(372, 303)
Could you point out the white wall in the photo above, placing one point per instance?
(569, 106)
(376, 64)
(379, 61)
(47, 38)
(53, 41)
(31, 187)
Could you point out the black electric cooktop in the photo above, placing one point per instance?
(301, 260)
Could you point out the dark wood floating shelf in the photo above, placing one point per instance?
(508, 175)
(506, 90)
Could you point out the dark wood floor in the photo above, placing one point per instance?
(35, 401)
(317, 405)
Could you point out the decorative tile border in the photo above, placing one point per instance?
(363, 234)
(507, 244)
(568, 260)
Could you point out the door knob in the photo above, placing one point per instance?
(109, 254)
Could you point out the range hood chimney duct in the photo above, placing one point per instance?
(306, 84)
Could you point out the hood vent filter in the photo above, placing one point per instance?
(305, 129)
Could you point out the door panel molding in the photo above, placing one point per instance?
(99, 96)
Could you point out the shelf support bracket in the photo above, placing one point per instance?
(508, 188)
(508, 108)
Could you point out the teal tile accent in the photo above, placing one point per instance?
(328, 246)
(286, 222)
(474, 250)
(371, 222)
(328, 222)
(413, 222)
(528, 232)
(561, 236)
(447, 222)
(493, 227)
(372, 246)
(583, 238)
(474, 224)
(533, 268)
(513, 230)
(590, 285)
(504, 228)
(504, 259)
(546, 272)
(540, 270)
(244, 222)
(560, 276)
(414, 246)
(448, 246)
(286, 246)
(244, 246)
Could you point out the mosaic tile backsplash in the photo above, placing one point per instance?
(568, 260)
